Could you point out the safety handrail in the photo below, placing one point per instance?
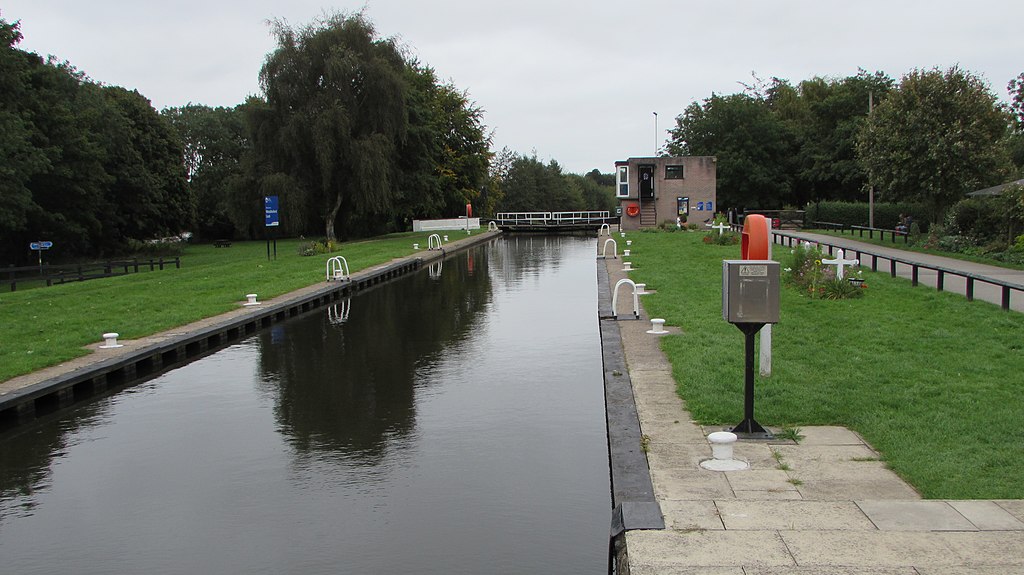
(337, 269)
(615, 298)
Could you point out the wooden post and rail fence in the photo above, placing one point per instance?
(59, 274)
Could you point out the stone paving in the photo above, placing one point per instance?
(826, 505)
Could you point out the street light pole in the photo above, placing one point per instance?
(655, 134)
(871, 189)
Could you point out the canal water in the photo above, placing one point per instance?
(449, 422)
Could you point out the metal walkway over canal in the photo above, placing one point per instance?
(553, 221)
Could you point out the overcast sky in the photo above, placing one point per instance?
(575, 81)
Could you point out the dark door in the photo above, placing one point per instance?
(646, 174)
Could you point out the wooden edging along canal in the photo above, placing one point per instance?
(22, 404)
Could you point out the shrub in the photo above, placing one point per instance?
(154, 248)
(316, 247)
(725, 239)
(808, 275)
(887, 215)
(836, 288)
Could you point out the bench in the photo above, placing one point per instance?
(222, 243)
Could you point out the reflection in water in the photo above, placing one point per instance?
(448, 424)
(348, 389)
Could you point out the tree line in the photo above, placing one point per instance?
(83, 165)
(930, 138)
(355, 137)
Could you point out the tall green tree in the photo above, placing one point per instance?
(753, 147)
(444, 158)
(148, 194)
(530, 185)
(19, 158)
(828, 165)
(335, 95)
(1015, 143)
(214, 143)
(939, 135)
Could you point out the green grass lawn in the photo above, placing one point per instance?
(45, 326)
(929, 379)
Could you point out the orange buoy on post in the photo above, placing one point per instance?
(755, 237)
(632, 210)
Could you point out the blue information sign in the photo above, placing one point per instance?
(37, 246)
(270, 209)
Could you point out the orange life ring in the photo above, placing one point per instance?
(755, 238)
(632, 210)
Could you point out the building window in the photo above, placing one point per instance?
(673, 172)
(623, 189)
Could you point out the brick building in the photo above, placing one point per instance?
(656, 190)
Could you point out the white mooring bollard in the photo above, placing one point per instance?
(629, 242)
(251, 297)
(110, 341)
(625, 253)
(415, 246)
(623, 234)
(722, 453)
(657, 325)
(446, 238)
(627, 266)
(641, 289)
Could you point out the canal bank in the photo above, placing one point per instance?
(824, 504)
(47, 390)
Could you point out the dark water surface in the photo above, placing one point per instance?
(450, 424)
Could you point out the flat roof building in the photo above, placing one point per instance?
(653, 191)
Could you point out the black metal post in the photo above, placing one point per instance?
(749, 428)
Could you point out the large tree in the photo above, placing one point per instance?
(148, 189)
(214, 143)
(1015, 144)
(753, 146)
(828, 166)
(939, 135)
(335, 96)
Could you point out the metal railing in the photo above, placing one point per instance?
(915, 268)
(552, 219)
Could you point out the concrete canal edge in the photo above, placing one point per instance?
(634, 505)
(50, 389)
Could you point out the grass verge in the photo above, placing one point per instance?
(930, 379)
(46, 326)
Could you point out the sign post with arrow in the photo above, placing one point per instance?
(40, 247)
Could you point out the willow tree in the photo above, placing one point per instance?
(335, 112)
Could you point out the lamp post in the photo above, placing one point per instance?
(655, 134)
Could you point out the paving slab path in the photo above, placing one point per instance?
(826, 505)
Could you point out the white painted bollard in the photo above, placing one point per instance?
(251, 297)
(625, 253)
(657, 326)
(110, 341)
(623, 234)
(415, 246)
(446, 238)
(722, 453)
(629, 242)
(722, 444)
(628, 266)
(641, 289)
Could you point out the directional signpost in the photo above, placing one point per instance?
(40, 247)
